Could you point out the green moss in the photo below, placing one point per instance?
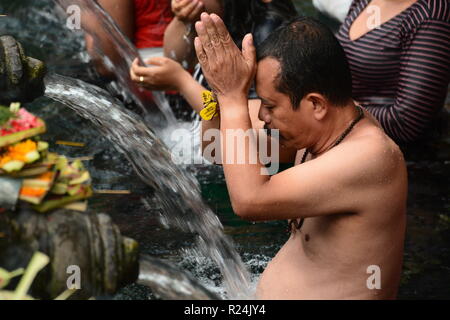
(13, 61)
(5, 115)
(35, 69)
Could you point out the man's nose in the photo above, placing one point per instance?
(263, 115)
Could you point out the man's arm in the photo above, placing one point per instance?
(336, 182)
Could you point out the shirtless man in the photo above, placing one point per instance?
(351, 190)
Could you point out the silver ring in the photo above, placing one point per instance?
(141, 79)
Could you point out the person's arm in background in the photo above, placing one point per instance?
(163, 74)
(122, 12)
(180, 33)
(422, 86)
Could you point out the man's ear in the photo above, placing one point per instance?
(319, 105)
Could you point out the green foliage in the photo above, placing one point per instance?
(37, 263)
(5, 115)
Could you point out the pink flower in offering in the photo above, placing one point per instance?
(22, 122)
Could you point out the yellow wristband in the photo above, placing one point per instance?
(210, 106)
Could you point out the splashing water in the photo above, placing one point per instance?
(175, 190)
(97, 23)
(102, 28)
(169, 282)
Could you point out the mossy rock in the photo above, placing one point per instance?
(107, 260)
(21, 77)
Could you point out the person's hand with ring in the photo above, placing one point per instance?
(162, 74)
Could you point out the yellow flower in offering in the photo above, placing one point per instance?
(18, 155)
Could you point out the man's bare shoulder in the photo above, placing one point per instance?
(369, 155)
(381, 152)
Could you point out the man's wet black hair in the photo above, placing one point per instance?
(257, 17)
(311, 59)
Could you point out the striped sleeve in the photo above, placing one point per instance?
(422, 84)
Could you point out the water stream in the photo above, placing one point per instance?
(177, 191)
(169, 283)
(102, 28)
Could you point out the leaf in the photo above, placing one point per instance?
(5, 115)
(37, 263)
(6, 276)
(66, 294)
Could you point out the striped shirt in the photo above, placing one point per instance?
(401, 70)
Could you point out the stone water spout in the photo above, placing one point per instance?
(87, 242)
(92, 244)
